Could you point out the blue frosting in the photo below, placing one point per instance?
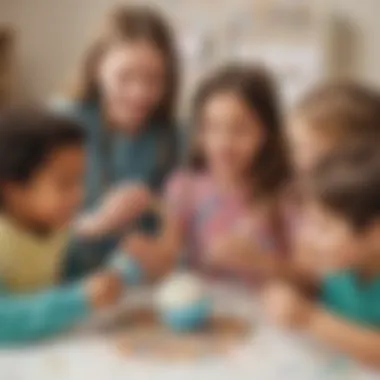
(189, 317)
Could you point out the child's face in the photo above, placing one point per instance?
(231, 135)
(334, 243)
(307, 144)
(132, 80)
(52, 196)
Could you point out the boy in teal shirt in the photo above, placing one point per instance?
(342, 226)
(41, 175)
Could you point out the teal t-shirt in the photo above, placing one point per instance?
(43, 314)
(347, 295)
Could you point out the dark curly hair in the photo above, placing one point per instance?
(28, 137)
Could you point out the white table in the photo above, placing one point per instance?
(270, 355)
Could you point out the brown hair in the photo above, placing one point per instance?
(348, 183)
(28, 137)
(346, 111)
(254, 85)
(131, 24)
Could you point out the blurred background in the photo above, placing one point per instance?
(41, 41)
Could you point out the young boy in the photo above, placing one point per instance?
(342, 225)
(330, 116)
(41, 174)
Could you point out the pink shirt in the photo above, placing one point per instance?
(205, 213)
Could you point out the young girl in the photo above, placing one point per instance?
(41, 176)
(125, 97)
(328, 117)
(341, 224)
(235, 174)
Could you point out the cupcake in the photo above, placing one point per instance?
(183, 303)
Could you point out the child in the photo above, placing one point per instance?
(126, 99)
(41, 175)
(342, 221)
(330, 116)
(236, 172)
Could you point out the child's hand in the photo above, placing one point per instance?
(149, 253)
(140, 245)
(231, 252)
(286, 306)
(119, 206)
(104, 289)
(132, 199)
(237, 250)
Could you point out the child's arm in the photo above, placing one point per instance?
(243, 255)
(28, 317)
(95, 234)
(35, 316)
(289, 308)
(119, 207)
(356, 341)
(290, 270)
(282, 257)
(160, 253)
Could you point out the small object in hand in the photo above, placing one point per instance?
(183, 303)
(104, 289)
(129, 267)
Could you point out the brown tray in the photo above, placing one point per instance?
(141, 334)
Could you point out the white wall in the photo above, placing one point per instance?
(363, 21)
(52, 34)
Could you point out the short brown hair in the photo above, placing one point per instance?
(346, 110)
(132, 23)
(256, 87)
(348, 183)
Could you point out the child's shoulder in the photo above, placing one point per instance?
(6, 227)
(343, 293)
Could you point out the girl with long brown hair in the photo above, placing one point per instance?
(224, 208)
(125, 97)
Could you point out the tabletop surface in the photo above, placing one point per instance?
(270, 354)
